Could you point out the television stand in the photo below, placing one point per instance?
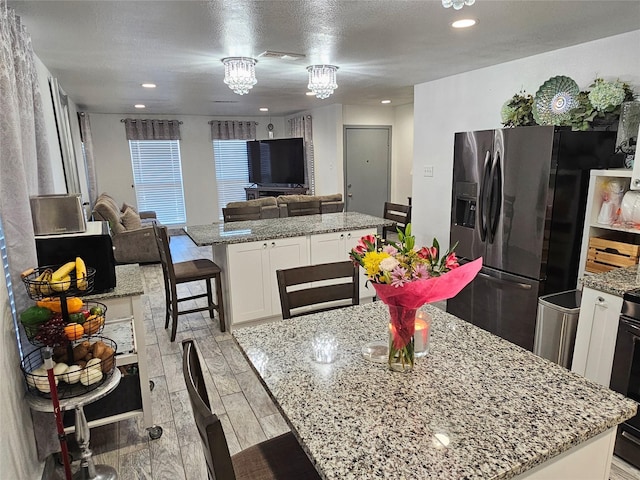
(274, 191)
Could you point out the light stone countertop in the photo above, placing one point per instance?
(502, 409)
(268, 229)
(128, 283)
(616, 282)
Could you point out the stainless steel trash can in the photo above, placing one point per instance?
(556, 326)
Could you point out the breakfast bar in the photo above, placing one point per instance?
(476, 407)
(249, 252)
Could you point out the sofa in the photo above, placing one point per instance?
(131, 231)
(276, 207)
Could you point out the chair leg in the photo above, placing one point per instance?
(210, 303)
(174, 318)
(220, 303)
(167, 301)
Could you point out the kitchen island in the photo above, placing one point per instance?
(250, 252)
(477, 407)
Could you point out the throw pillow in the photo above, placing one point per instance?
(125, 205)
(131, 220)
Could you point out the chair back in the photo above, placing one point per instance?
(236, 214)
(162, 240)
(401, 214)
(312, 207)
(332, 207)
(216, 450)
(343, 288)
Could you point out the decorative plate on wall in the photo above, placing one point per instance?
(554, 100)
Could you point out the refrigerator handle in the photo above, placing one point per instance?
(523, 286)
(495, 204)
(483, 197)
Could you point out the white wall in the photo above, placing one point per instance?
(402, 154)
(472, 101)
(113, 162)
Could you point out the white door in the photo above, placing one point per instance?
(249, 281)
(284, 253)
(367, 168)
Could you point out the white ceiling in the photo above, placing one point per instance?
(101, 51)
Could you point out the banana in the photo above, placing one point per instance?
(40, 283)
(81, 274)
(61, 285)
(63, 271)
(45, 287)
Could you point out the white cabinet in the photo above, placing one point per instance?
(596, 335)
(335, 247)
(250, 275)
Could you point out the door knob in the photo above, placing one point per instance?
(349, 195)
(349, 186)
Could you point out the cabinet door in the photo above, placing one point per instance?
(596, 335)
(249, 281)
(284, 253)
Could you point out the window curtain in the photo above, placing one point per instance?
(137, 129)
(232, 130)
(87, 145)
(302, 127)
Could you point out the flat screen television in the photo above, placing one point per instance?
(276, 162)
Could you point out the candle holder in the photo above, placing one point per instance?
(325, 348)
(422, 333)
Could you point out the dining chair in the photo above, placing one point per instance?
(311, 207)
(279, 458)
(236, 214)
(401, 214)
(339, 287)
(184, 272)
(331, 207)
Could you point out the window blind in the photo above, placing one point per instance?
(157, 175)
(232, 171)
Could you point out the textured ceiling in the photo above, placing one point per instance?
(101, 51)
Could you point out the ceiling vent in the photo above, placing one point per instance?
(225, 101)
(281, 55)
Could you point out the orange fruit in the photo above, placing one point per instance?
(73, 331)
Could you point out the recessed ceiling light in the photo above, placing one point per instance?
(264, 109)
(464, 23)
(310, 94)
(149, 85)
(385, 101)
(139, 105)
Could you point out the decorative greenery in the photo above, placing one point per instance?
(517, 111)
(601, 103)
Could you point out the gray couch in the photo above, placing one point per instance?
(131, 231)
(276, 207)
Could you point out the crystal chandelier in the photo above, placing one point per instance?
(322, 80)
(240, 74)
(457, 4)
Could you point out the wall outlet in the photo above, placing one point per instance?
(428, 171)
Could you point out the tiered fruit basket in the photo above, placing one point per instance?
(67, 326)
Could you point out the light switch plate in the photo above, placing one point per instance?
(428, 171)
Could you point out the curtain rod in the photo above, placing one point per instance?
(212, 121)
(122, 120)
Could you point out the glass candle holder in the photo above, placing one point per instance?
(325, 348)
(422, 333)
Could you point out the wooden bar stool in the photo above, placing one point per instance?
(184, 272)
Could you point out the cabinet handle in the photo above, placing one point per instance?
(264, 245)
(348, 235)
(600, 301)
(636, 182)
(273, 244)
(342, 235)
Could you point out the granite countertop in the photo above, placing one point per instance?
(616, 281)
(268, 229)
(476, 407)
(128, 283)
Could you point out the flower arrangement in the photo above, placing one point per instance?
(607, 96)
(405, 278)
(518, 111)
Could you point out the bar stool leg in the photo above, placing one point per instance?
(88, 470)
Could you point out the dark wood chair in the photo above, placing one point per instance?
(401, 214)
(184, 272)
(277, 458)
(236, 214)
(342, 291)
(312, 207)
(332, 207)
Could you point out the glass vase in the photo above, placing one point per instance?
(401, 341)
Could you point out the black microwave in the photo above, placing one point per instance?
(94, 246)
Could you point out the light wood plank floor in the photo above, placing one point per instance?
(247, 413)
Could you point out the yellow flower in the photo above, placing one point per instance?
(371, 262)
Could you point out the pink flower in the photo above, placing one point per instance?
(399, 277)
(362, 247)
(451, 261)
(422, 253)
(420, 271)
(390, 249)
(432, 252)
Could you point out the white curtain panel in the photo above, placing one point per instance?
(303, 127)
(25, 166)
(87, 142)
(232, 130)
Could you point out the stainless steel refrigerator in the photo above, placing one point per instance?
(519, 200)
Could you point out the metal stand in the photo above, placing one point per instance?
(88, 470)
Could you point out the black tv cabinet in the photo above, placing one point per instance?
(257, 192)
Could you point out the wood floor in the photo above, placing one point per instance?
(246, 411)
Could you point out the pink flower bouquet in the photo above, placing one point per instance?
(405, 278)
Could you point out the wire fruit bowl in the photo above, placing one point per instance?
(76, 377)
(38, 287)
